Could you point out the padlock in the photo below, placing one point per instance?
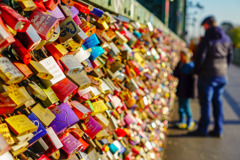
(27, 5)
(29, 39)
(24, 69)
(96, 12)
(68, 2)
(109, 18)
(101, 119)
(97, 73)
(57, 13)
(51, 4)
(43, 23)
(80, 37)
(56, 50)
(99, 107)
(103, 134)
(7, 105)
(22, 139)
(80, 79)
(73, 47)
(75, 13)
(78, 134)
(20, 124)
(6, 37)
(80, 110)
(65, 117)
(68, 27)
(132, 41)
(17, 149)
(6, 155)
(30, 101)
(64, 89)
(36, 90)
(14, 93)
(71, 65)
(40, 132)
(52, 141)
(43, 114)
(20, 151)
(4, 146)
(55, 35)
(82, 7)
(53, 68)
(51, 97)
(96, 51)
(13, 19)
(40, 5)
(126, 33)
(88, 67)
(4, 131)
(40, 70)
(120, 38)
(21, 51)
(129, 119)
(70, 144)
(91, 42)
(8, 72)
(92, 127)
(87, 27)
(82, 55)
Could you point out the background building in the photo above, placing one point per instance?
(171, 12)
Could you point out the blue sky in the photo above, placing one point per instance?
(223, 10)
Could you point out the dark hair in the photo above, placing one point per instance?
(209, 20)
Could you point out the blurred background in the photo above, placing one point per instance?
(184, 17)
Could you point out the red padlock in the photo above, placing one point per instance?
(21, 51)
(43, 23)
(5, 36)
(29, 39)
(51, 4)
(82, 7)
(64, 89)
(13, 18)
(40, 5)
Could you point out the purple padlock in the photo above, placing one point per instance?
(75, 13)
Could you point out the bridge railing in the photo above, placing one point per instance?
(134, 11)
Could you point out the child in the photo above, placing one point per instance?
(183, 72)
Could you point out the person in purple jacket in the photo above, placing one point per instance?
(213, 56)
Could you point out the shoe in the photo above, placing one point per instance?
(182, 125)
(196, 133)
(191, 126)
(215, 134)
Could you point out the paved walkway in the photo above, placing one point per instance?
(181, 147)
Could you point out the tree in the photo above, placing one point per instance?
(235, 36)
